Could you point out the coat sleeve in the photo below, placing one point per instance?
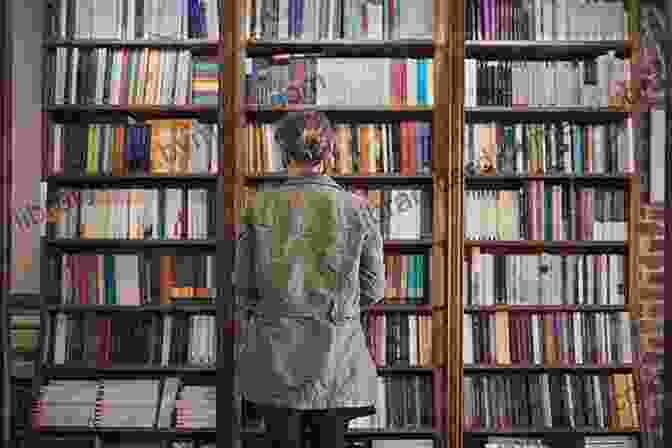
(244, 272)
(371, 266)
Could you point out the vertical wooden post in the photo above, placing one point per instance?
(229, 200)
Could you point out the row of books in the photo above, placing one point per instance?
(127, 77)
(157, 147)
(549, 148)
(403, 147)
(332, 20)
(404, 401)
(402, 213)
(133, 279)
(547, 279)
(588, 83)
(406, 278)
(565, 338)
(544, 20)
(184, 339)
(132, 403)
(169, 213)
(380, 81)
(396, 339)
(550, 400)
(546, 212)
(135, 19)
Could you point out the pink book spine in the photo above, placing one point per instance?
(396, 96)
(590, 218)
(83, 281)
(531, 215)
(540, 210)
(100, 292)
(557, 214)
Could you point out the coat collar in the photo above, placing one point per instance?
(305, 180)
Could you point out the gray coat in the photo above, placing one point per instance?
(309, 255)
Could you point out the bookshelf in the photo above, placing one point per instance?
(516, 338)
(132, 240)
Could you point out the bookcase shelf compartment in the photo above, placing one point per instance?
(543, 50)
(154, 181)
(185, 44)
(553, 247)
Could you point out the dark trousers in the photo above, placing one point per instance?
(286, 428)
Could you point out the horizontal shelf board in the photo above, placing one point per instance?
(569, 247)
(408, 245)
(186, 44)
(82, 370)
(535, 114)
(578, 368)
(374, 179)
(517, 181)
(142, 432)
(544, 431)
(373, 433)
(397, 308)
(343, 48)
(95, 112)
(337, 113)
(542, 50)
(22, 301)
(474, 49)
(109, 309)
(404, 370)
(125, 245)
(132, 181)
(544, 308)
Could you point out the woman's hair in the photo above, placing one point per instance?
(305, 137)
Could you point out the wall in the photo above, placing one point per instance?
(27, 136)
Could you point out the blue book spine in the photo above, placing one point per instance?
(578, 145)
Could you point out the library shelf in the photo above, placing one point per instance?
(562, 247)
(365, 181)
(408, 245)
(369, 433)
(133, 181)
(544, 308)
(412, 48)
(557, 50)
(153, 309)
(143, 432)
(343, 114)
(545, 114)
(405, 370)
(515, 181)
(101, 112)
(530, 368)
(182, 44)
(112, 245)
(398, 308)
(424, 48)
(548, 431)
(503, 114)
(84, 370)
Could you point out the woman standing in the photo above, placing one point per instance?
(309, 256)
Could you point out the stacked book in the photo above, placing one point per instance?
(127, 403)
(196, 408)
(205, 81)
(66, 403)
